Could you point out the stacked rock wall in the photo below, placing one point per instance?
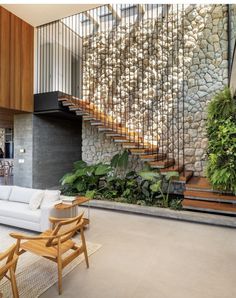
(139, 74)
(97, 148)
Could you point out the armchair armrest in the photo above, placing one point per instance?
(6, 253)
(27, 237)
(56, 220)
(42, 236)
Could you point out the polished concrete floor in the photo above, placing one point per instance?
(145, 257)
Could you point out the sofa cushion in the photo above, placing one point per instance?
(19, 211)
(22, 194)
(50, 196)
(5, 192)
(36, 200)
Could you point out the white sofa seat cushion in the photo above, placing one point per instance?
(19, 211)
(5, 192)
(22, 194)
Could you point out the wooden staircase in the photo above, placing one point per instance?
(127, 139)
(200, 196)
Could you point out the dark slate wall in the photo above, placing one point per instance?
(56, 145)
(23, 139)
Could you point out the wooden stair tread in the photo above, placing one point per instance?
(112, 134)
(199, 183)
(126, 139)
(117, 129)
(106, 123)
(89, 118)
(174, 168)
(209, 196)
(162, 163)
(154, 157)
(143, 151)
(209, 206)
(81, 112)
(105, 129)
(133, 144)
(95, 123)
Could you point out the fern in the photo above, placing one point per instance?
(222, 106)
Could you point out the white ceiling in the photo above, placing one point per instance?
(38, 14)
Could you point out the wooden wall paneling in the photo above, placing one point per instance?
(27, 82)
(4, 58)
(15, 63)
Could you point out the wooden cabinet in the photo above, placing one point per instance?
(16, 62)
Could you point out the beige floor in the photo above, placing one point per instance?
(154, 258)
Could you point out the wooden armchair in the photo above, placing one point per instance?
(53, 244)
(10, 265)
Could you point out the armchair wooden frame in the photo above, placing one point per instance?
(10, 266)
(53, 244)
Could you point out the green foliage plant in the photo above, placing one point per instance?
(221, 130)
(113, 182)
(84, 178)
(157, 185)
(120, 162)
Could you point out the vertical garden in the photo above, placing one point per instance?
(221, 129)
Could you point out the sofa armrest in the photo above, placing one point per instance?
(48, 210)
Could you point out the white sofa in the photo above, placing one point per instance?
(16, 207)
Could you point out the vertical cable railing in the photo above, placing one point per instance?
(183, 92)
(126, 63)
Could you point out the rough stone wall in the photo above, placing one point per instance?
(2, 138)
(96, 147)
(141, 81)
(208, 73)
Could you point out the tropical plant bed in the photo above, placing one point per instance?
(113, 182)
